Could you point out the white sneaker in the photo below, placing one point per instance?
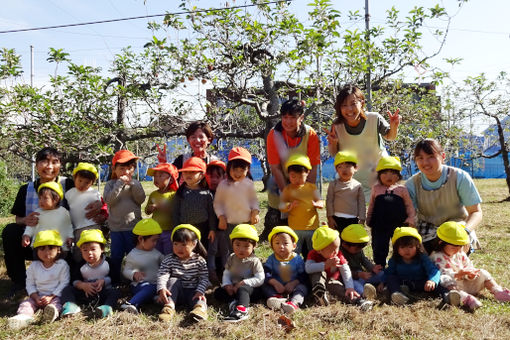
(369, 292)
(275, 302)
(20, 321)
(454, 298)
(50, 314)
(127, 307)
(399, 299)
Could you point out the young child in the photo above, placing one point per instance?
(52, 216)
(79, 197)
(326, 265)
(182, 277)
(411, 267)
(160, 202)
(365, 275)
(458, 273)
(46, 277)
(300, 199)
(124, 196)
(345, 201)
(142, 264)
(285, 272)
(243, 273)
(91, 279)
(217, 253)
(390, 207)
(193, 202)
(235, 201)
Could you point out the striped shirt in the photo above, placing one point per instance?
(191, 272)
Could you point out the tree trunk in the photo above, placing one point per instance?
(504, 151)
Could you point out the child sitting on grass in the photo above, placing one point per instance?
(47, 275)
(285, 283)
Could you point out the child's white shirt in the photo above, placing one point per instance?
(47, 281)
(77, 201)
(56, 219)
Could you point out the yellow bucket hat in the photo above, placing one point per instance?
(86, 167)
(345, 156)
(405, 231)
(282, 229)
(323, 237)
(146, 227)
(245, 231)
(55, 186)
(91, 235)
(355, 233)
(47, 238)
(389, 162)
(299, 159)
(186, 226)
(453, 232)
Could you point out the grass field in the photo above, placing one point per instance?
(421, 320)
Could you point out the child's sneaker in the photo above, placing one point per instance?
(471, 302)
(289, 307)
(70, 308)
(127, 307)
(199, 312)
(20, 321)
(369, 292)
(454, 298)
(365, 305)
(167, 313)
(275, 302)
(399, 299)
(50, 314)
(320, 295)
(502, 295)
(239, 313)
(103, 311)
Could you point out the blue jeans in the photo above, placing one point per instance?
(143, 292)
(164, 244)
(122, 244)
(296, 297)
(375, 279)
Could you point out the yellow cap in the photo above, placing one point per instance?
(189, 227)
(355, 233)
(86, 167)
(345, 156)
(453, 233)
(91, 235)
(389, 162)
(47, 238)
(55, 186)
(245, 231)
(323, 237)
(282, 229)
(146, 227)
(405, 231)
(299, 159)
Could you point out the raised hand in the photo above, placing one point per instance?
(394, 118)
(161, 154)
(331, 136)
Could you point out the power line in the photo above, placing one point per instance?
(140, 17)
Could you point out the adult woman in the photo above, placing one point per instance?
(47, 163)
(441, 193)
(290, 135)
(199, 135)
(359, 131)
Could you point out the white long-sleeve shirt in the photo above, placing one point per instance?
(236, 200)
(143, 261)
(77, 201)
(55, 219)
(47, 281)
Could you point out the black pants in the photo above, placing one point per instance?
(107, 296)
(242, 296)
(273, 218)
(344, 222)
(394, 282)
(381, 244)
(15, 255)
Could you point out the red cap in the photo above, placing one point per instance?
(123, 156)
(169, 169)
(217, 162)
(239, 153)
(194, 164)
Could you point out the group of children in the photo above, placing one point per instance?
(203, 229)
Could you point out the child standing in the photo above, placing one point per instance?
(365, 275)
(285, 272)
(236, 201)
(160, 202)
(326, 265)
(142, 264)
(300, 199)
(243, 273)
(458, 273)
(51, 216)
(193, 202)
(345, 201)
(91, 279)
(390, 207)
(46, 277)
(411, 267)
(182, 277)
(124, 196)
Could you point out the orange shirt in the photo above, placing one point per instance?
(273, 156)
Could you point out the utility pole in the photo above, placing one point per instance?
(368, 75)
(32, 85)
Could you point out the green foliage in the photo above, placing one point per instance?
(8, 190)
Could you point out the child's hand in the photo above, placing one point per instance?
(25, 241)
(198, 296)
(229, 289)
(394, 118)
(149, 208)
(32, 219)
(331, 136)
(429, 286)
(45, 300)
(467, 274)
(211, 236)
(292, 205)
(36, 298)
(280, 289)
(222, 222)
(163, 295)
(98, 285)
(254, 217)
(290, 286)
(318, 204)
(364, 275)
(69, 242)
(138, 276)
(125, 178)
(332, 263)
(94, 212)
(87, 287)
(161, 154)
(351, 294)
(331, 222)
(377, 268)
(237, 285)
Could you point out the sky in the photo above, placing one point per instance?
(479, 31)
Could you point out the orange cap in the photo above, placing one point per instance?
(123, 156)
(239, 153)
(217, 162)
(169, 169)
(194, 164)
